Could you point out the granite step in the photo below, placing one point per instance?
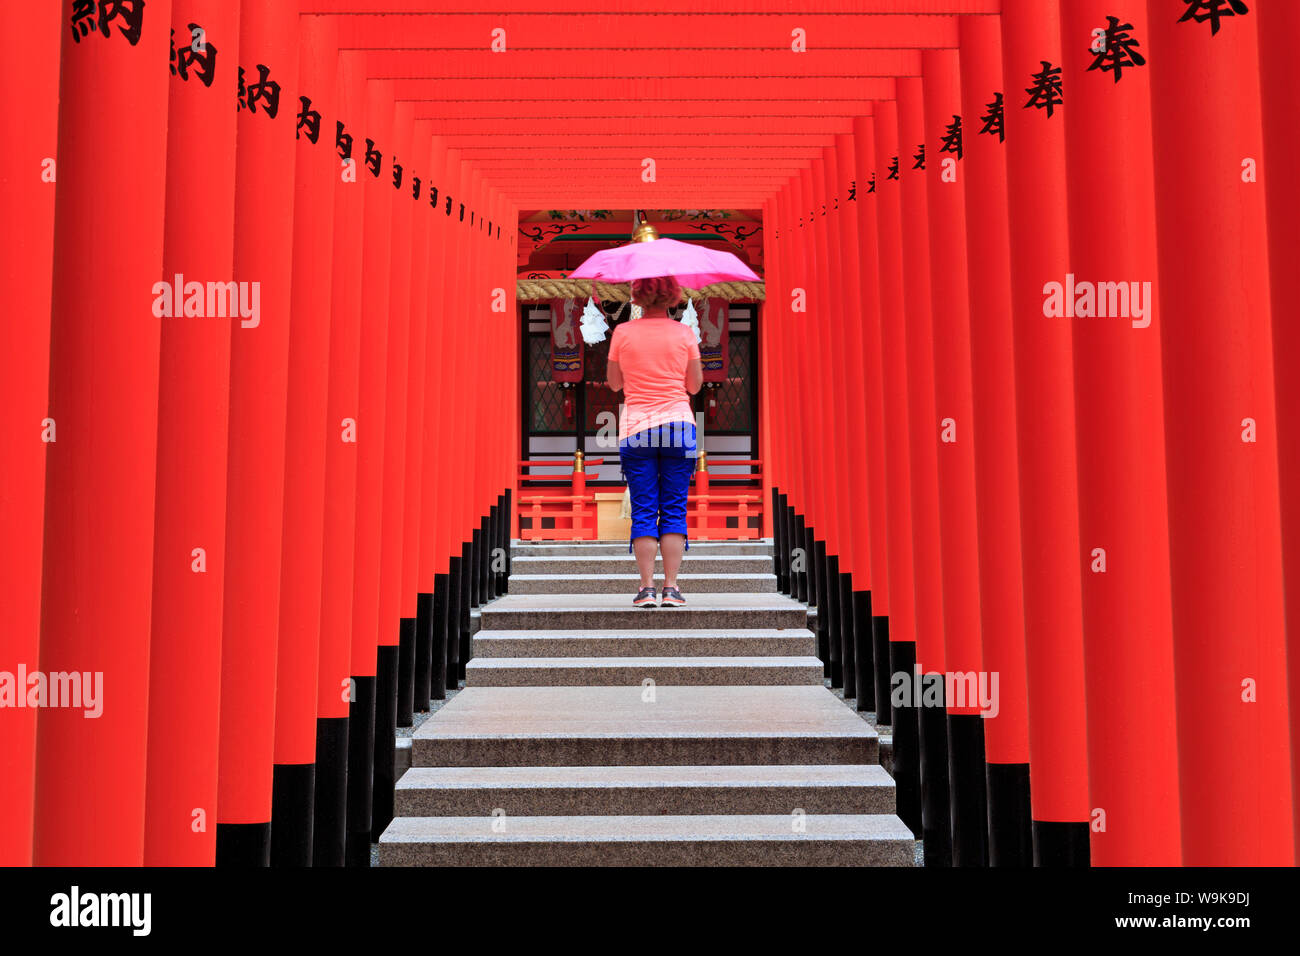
(575, 791)
(589, 611)
(627, 584)
(634, 671)
(589, 549)
(679, 840)
(643, 725)
(626, 564)
(632, 642)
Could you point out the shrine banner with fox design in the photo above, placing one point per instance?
(566, 340)
(713, 338)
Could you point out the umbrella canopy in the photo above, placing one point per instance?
(693, 266)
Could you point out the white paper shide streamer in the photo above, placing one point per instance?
(691, 320)
(594, 325)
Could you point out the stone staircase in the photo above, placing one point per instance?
(590, 732)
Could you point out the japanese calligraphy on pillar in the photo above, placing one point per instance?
(195, 57)
(198, 55)
(1045, 94)
(1212, 11)
(1116, 49)
(951, 141)
(89, 16)
(992, 120)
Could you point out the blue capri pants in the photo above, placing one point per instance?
(658, 463)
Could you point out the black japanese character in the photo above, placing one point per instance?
(952, 137)
(308, 119)
(397, 174)
(1046, 91)
(993, 119)
(415, 187)
(374, 158)
(893, 169)
(871, 184)
(1213, 10)
(83, 18)
(266, 90)
(342, 141)
(433, 195)
(853, 190)
(198, 53)
(131, 12)
(1119, 49)
(919, 157)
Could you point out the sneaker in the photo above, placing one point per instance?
(645, 598)
(672, 598)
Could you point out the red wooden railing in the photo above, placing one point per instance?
(709, 512)
(572, 516)
(728, 513)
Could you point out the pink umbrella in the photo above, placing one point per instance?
(693, 266)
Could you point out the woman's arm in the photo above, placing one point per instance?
(694, 376)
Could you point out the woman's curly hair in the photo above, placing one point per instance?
(660, 292)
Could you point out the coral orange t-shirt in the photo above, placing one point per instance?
(653, 352)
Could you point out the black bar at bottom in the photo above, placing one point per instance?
(774, 505)
(1011, 832)
(406, 672)
(473, 561)
(466, 604)
(361, 766)
(969, 794)
(880, 646)
(800, 569)
(906, 726)
(453, 623)
(825, 635)
(381, 803)
(864, 652)
(506, 532)
(842, 609)
(244, 844)
(935, 808)
(423, 667)
(438, 636)
(329, 828)
(1061, 844)
(293, 790)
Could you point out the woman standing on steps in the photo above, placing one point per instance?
(655, 362)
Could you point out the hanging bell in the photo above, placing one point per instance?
(643, 231)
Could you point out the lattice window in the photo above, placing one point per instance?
(547, 398)
(735, 411)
